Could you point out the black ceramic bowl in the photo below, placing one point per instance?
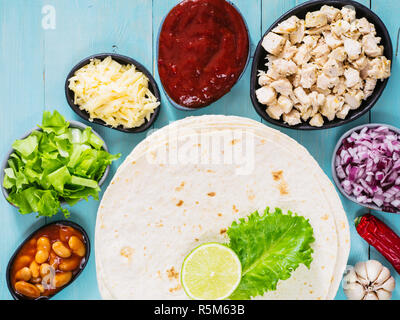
(74, 225)
(72, 124)
(122, 60)
(185, 108)
(300, 11)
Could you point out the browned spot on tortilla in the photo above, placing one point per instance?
(159, 273)
(172, 274)
(311, 292)
(179, 203)
(325, 217)
(277, 175)
(235, 209)
(210, 171)
(250, 195)
(159, 224)
(211, 194)
(222, 231)
(343, 225)
(219, 214)
(331, 279)
(234, 141)
(195, 239)
(178, 287)
(180, 186)
(323, 267)
(133, 162)
(263, 141)
(197, 202)
(283, 188)
(127, 252)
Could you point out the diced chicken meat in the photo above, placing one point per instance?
(321, 67)
(266, 95)
(282, 86)
(273, 43)
(315, 19)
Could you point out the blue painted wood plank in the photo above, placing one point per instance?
(90, 27)
(387, 110)
(21, 91)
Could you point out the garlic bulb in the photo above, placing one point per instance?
(368, 280)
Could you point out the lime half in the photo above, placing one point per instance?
(212, 271)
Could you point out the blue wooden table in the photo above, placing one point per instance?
(41, 40)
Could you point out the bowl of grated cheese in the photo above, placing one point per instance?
(114, 91)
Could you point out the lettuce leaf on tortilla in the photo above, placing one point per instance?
(270, 247)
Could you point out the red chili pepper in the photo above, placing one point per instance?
(381, 237)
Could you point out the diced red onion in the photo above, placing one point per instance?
(368, 167)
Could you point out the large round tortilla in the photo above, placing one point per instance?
(124, 222)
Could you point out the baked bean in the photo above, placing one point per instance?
(62, 278)
(34, 269)
(24, 274)
(40, 287)
(54, 260)
(43, 243)
(22, 261)
(27, 289)
(44, 269)
(61, 250)
(65, 232)
(36, 280)
(77, 246)
(41, 256)
(69, 264)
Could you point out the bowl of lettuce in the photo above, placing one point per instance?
(56, 163)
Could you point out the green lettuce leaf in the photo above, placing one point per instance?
(55, 165)
(54, 123)
(270, 247)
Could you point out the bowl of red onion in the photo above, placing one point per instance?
(366, 166)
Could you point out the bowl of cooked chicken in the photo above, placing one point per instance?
(320, 65)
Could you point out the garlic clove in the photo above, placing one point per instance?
(361, 272)
(388, 285)
(373, 269)
(383, 276)
(354, 291)
(383, 294)
(371, 296)
(350, 277)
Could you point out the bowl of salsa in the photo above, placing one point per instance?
(203, 50)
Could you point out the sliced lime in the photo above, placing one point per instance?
(212, 271)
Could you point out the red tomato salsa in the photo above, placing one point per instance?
(202, 51)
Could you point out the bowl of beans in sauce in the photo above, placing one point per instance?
(49, 260)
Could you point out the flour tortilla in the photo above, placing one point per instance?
(111, 288)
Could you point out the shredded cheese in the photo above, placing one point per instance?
(117, 94)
